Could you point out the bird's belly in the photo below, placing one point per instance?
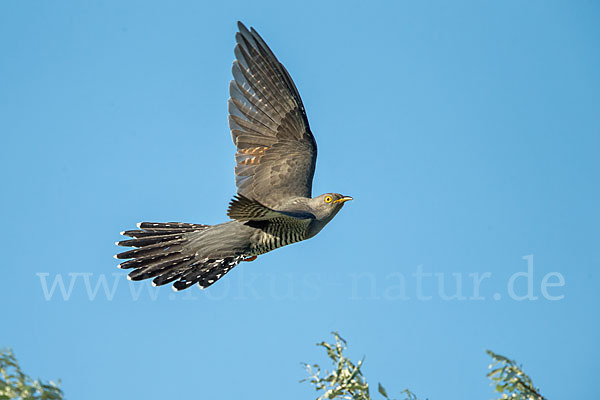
(268, 240)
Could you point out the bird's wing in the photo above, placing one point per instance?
(242, 208)
(276, 151)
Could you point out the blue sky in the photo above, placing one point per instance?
(467, 132)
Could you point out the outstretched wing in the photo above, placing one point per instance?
(276, 151)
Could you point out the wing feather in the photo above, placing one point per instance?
(276, 151)
(242, 208)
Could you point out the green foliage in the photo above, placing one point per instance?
(14, 384)
(345, 380)
(509, 379)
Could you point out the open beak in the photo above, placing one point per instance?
(343, 199)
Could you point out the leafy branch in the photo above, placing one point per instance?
(509, 379)
(15, 384)
(346, 380)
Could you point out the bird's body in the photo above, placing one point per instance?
(275, 164)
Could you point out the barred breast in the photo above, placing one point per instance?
(278, 232)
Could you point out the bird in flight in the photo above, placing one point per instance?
(275, 164)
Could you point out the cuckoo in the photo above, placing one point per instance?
(275, 164)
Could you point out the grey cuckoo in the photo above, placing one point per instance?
(275, 164)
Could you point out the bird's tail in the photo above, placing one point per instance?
(163, 251)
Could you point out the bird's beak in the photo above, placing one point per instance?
(343, 199)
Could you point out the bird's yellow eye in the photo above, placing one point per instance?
(328, 199)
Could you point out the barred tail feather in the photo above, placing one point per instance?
(206, 272)
(161, 251)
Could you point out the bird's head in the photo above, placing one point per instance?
(327, 205)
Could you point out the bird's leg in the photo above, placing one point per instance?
(250, 258)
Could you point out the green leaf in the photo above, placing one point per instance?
(382, 391)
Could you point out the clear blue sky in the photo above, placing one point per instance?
(468, 134)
